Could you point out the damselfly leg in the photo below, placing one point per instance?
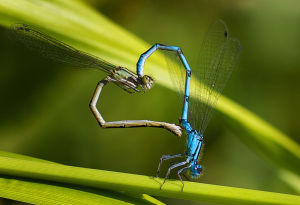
(167, 157)
(180, 171)
(173, 167)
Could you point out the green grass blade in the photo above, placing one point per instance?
(268, 140)
(42, 192)
(138, 183)
(45, 193)
(77, 24)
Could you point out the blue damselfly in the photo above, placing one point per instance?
(218, 56)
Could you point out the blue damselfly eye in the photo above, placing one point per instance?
(199, 170)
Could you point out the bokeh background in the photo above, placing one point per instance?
(44, 105)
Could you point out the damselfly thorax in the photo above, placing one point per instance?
(129, 81)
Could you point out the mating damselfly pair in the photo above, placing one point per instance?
(218, 55)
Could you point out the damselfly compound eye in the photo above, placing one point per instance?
(148, 82)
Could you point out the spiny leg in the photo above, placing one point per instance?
(166, 157)
(172, 167)
(126, 123)
(179, 176)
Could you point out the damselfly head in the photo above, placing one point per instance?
(147, 82)
(195, 171)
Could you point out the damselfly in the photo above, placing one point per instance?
(121, 76)
(217, 59)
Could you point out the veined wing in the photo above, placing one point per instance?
(57, 50)
(218, 56)
(177, 72)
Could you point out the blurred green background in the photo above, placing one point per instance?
(40, 117)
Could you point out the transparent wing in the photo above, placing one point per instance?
(217, 59)
(57, 50)
(177, 72)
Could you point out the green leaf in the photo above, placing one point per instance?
(45, 192)
(41, 192)
(116, 181)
